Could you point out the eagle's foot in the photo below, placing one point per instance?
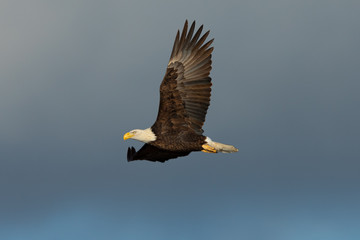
(208, 149)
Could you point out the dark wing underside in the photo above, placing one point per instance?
(151, 153)
(185, 89)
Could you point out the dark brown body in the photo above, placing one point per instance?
(179, 141)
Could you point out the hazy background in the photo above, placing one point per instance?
(76, 75)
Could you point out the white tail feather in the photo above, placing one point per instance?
(220, 147)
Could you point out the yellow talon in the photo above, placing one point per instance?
(208, 149)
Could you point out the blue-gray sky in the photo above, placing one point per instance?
(76, 75)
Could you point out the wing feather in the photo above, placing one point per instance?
(186, 88)
(152, 153)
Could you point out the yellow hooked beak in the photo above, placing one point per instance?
(128, 135)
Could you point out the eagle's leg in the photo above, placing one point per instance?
(208, 149)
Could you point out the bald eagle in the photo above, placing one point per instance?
(184, 101)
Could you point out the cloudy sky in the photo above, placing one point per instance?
(76, 75)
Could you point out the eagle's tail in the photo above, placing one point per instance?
(220, 147)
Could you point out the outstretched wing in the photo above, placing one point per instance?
(151, 153)
(186, 88)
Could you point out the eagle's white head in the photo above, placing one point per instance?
(145, 135)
